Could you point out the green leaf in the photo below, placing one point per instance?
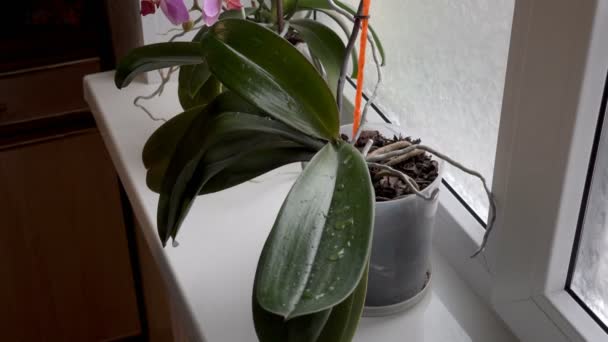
(268, 327)
(273, 328)
(196, 84)
(337, 324)
(324, 44)
(154, 57)
(193, 77)
(161, 145)
(342, 324)
(317, 250)
(203, 96)
(162, 142)
(270, 73)
(212, 143)
(324, 4)
(256, 164)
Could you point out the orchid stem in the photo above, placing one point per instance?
(349, 49)
(280, 23)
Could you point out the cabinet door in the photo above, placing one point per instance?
(65, 273)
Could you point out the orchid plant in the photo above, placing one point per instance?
(253, 102)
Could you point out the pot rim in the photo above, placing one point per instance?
(347, 130)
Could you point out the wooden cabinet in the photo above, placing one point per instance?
(64, 261)
(44, 92)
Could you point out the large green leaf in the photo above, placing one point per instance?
(154, 57)
(342, 324)
(269, 72)
(162, 142)
(337, 324)
(197, 86)
(324, 44)
(161, 145)
(213, 142)
(273, 328)
(245, 168)
(324, 4)
(255, 164)
(317, 250)
(210, 89)
(193, 77)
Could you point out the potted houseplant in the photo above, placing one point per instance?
(252, 102)
(405, 209)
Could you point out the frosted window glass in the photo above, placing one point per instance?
(590, 279)
(444, 78)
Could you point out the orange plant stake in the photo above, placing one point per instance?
(361, 67)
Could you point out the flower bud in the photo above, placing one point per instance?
(188, 25)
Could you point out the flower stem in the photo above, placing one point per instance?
(349, 48)
(280, 23)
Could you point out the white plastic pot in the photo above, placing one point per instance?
(400, 267)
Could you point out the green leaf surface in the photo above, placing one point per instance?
(154, 57)
(161, 145)
(245, 168)
(196, 85)
(324, 44)
(193, 77)
(317, 250)
(256, 164)
(324, 4)
(342, 324)
(162, 142)
(203, 96)
(214, 141)
(337, 324)
(273, 328)
(269, 72)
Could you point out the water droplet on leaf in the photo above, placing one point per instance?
(341, 254)
(307, 294)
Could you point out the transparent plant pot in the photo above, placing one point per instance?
(400, 267)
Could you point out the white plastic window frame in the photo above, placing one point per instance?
(557, 67)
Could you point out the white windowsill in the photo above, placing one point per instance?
(211, 272)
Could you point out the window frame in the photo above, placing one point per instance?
(556, 75)
(555, 83)
(600, 131)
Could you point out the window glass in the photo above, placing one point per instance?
(444, 78)
(589, 281)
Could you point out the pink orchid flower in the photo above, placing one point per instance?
(175, 10)
(212, 8)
